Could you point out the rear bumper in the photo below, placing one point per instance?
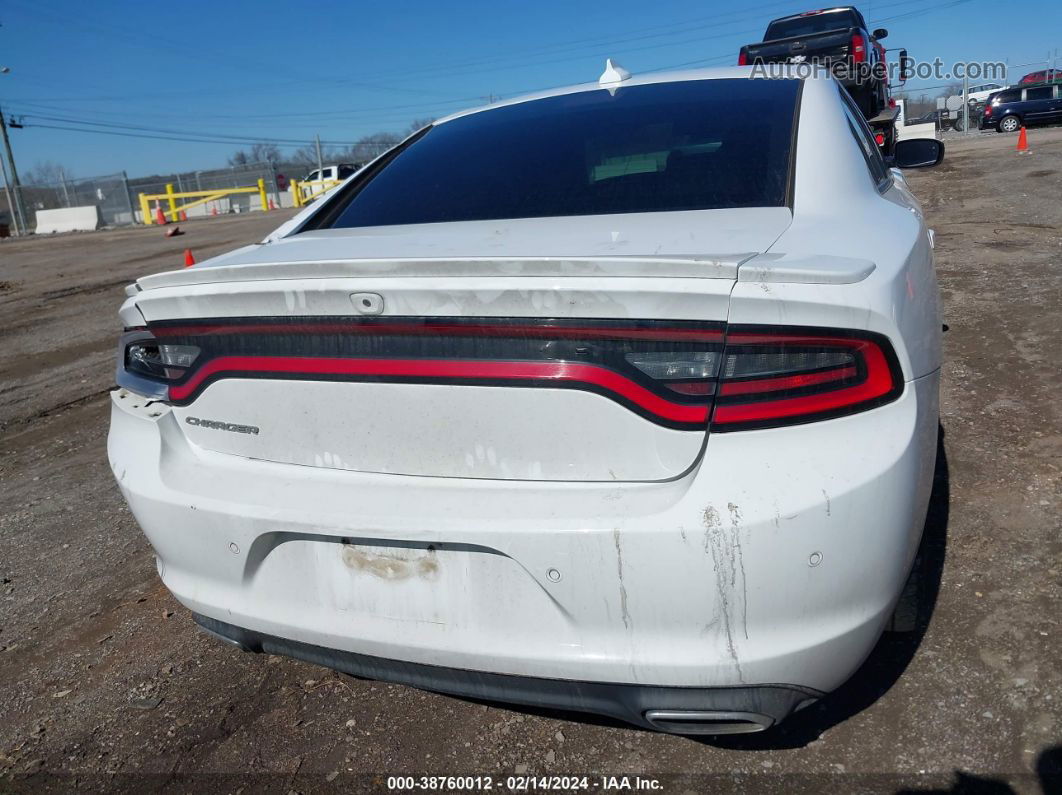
(777, 559)
(692, 710)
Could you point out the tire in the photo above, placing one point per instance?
(1009, 124)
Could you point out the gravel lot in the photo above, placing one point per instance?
(106, 683)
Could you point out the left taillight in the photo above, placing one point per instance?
(859, 48)
(147, 366)
(769, 377)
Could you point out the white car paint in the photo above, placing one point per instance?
(551, 534)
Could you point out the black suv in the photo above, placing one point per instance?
(1021, 106)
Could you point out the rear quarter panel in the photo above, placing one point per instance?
(839, 212)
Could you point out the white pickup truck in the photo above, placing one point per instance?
(321, 179)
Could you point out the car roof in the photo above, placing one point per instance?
(815, 13)
(801, 71)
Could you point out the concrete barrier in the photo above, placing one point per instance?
(68, 219)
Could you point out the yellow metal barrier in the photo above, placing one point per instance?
(314, 188)
(200, 196)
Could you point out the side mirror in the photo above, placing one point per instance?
(906, 68)
(880, 33)
(917, 153)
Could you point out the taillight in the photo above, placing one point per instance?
(684, 372)
(879, 138)
(155, 360)
(769, 377)
(679, 374)
(743, 58)
(859, 48)
(663, 370)
(988, 110)
(146, 365)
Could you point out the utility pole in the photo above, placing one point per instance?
(320, 163)
(129, 198)
(12, 186)
(10, 202)
(14, 198)
(66, 193)
(965, 104)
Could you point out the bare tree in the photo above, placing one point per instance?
(307, 155)
(46, 172)
(264, 152)
(371, 146)
(418, 124)
(260, 152)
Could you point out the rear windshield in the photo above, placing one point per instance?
(810, 25)
(693, 145)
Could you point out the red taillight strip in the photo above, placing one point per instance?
(880, 381)
(759, 385)
(565, 373)
(446, 329)
(789, 407)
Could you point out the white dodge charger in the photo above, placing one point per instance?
(618, 398)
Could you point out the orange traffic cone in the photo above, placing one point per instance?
(189, 260)
(1023, 140)
(271, 205)
(214, 210)
(184, 215)
(160, 217)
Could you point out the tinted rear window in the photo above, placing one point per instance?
(694, 145)
(1007, 96)
(809, 26)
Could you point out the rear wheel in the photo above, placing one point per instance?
(1009, 124)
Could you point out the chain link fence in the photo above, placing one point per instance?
(243, 176)
(118, 196)
(109, 192)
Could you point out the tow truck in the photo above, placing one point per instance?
(838, 37)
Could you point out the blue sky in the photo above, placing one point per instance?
(238, 69)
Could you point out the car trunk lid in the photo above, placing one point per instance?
(575, 360)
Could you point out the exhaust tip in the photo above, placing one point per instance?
(707, 722)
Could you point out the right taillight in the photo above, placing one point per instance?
(743, 58)
(769, 377)
(988, 109)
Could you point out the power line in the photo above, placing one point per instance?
(354, 113)
(203, 140)
(156, 133)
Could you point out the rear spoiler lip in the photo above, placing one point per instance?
(743, 267)
(719, 266)
(805, 269)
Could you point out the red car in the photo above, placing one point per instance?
(1043, 76)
